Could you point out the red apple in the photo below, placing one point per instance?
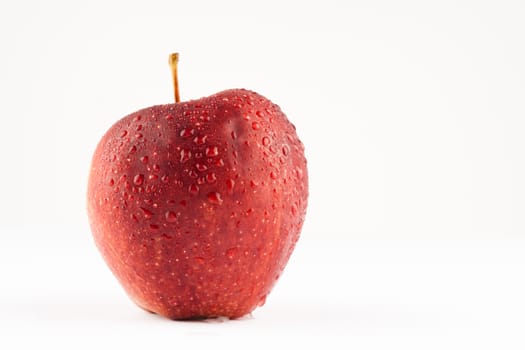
(196, 206)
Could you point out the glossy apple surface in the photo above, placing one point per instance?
(196, 206)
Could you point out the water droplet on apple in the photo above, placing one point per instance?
(273, 175)
(156, 167)
(193, 189)
(139, 127)
(298, 173)
(262, 301)
(111, 182)
(187, 132)
(137, 118)
(165, 179)
(230, 183)
(193, 174)
(138, 179)
(138, 135)
(219, 162)
(286, 150)
(212, 151)
(201, 167)
(265, 141)
(171, 216)
(144, 159)
(215, 197)
(199, 260)
(185, 155)
(294, 209)
(256, 126)
(201, 181)
(200, 140)
(211, 178)
(259, 114)
(123, 133)
(132, 149)
(153, 177)
(147, 213)
(233, 135)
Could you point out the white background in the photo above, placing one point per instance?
(413, 117)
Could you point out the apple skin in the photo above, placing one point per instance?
(197, 206)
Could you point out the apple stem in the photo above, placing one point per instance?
(174, 59)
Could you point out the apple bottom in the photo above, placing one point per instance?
(190, 284)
